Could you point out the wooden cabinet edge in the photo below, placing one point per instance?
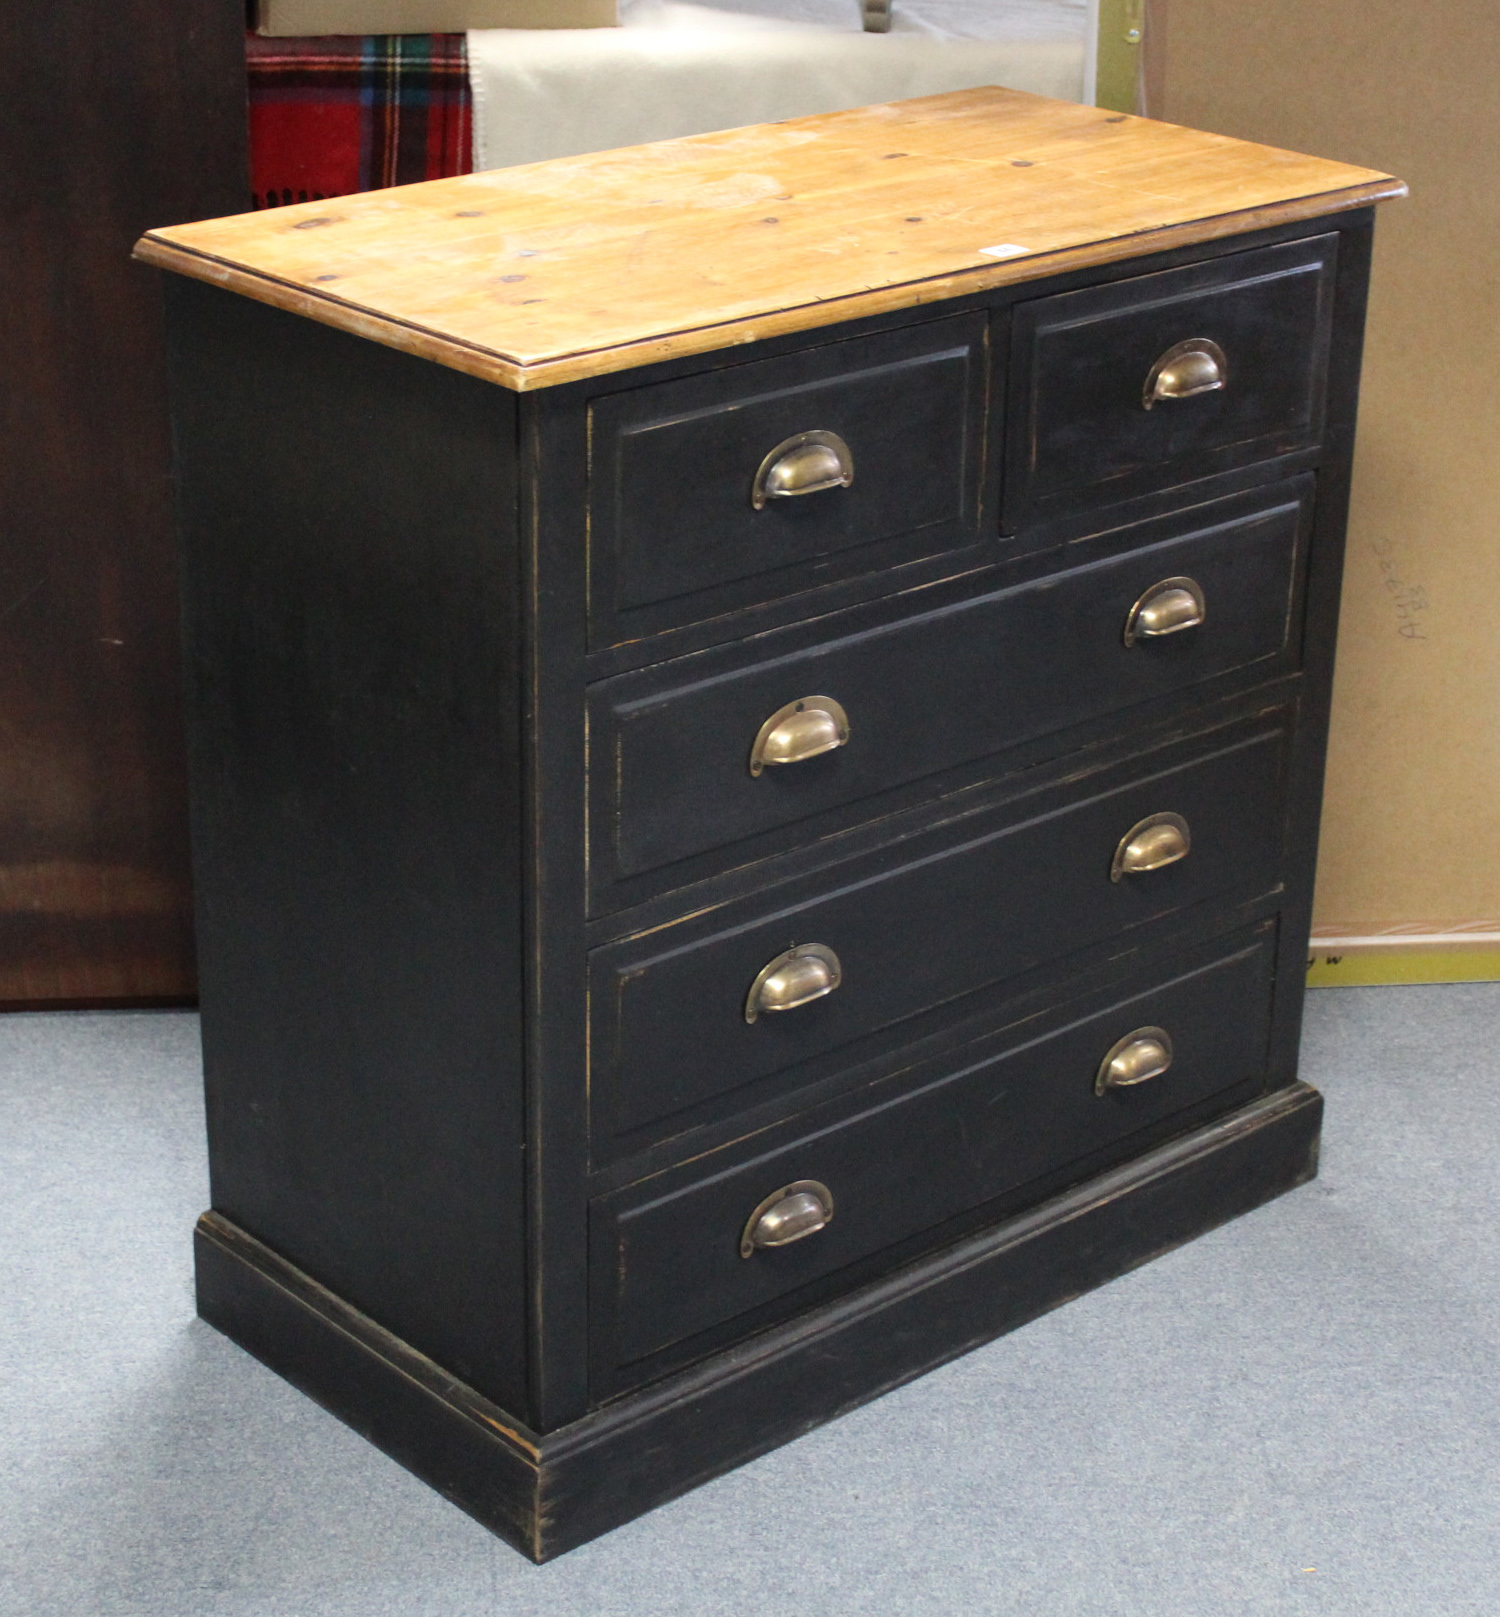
(523, 374)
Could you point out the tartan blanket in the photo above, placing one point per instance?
(334, 115)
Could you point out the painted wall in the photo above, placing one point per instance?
(1411, 831)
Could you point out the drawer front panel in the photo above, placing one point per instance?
(674, 531)
(1082, 361)
(669, 1029)
(673, 1261)
(671, 753)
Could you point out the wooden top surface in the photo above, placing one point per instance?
(588, 265)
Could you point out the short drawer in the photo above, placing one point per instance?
(685, 1017)
(756, 481)
(1146, 383)
(673, 764)
(673, 1258)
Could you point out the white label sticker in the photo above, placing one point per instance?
(1006, 249)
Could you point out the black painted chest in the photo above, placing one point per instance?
(730, 877)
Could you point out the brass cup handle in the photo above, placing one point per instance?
(1146, 1053)
(1166, 608)
(805, 463)
(794, 978)
(1159, 839)
(1186, 370)
(802, 729)
(790, 1214)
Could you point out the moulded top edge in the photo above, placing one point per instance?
(588, 265)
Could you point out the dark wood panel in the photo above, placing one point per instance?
(554, 439)
(351, 589)
(1320, 629)
(113, 118)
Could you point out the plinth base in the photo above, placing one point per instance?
(546, 1493)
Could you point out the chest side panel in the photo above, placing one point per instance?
(349, 577)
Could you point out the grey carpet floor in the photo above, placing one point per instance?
(1299, 1413)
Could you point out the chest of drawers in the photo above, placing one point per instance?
(757, 715)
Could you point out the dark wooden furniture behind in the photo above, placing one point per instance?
(112, 118)
(750, 837)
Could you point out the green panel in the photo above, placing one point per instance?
(1121, 28)
(1329, 967)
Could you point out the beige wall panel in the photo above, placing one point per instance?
(292, 17)
(1411, 830)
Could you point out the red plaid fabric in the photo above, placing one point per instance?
(332, 116)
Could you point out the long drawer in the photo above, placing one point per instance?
(672, 1261)
(687, 1016)
(672, 766)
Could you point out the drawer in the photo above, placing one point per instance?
(705, 496)
(667, 1258)
(670, 1012)
(671, 747)
(1101, 410)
